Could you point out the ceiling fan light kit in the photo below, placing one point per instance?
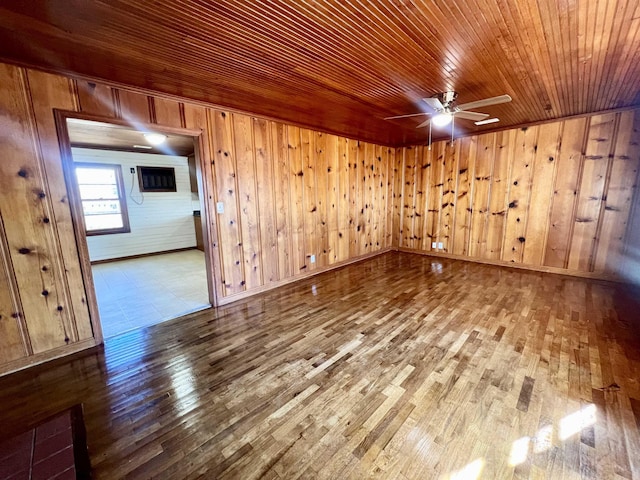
(442, 119)
(443, 110)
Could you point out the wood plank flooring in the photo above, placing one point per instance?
(398, 367)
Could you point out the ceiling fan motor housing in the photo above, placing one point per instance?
(446, 98)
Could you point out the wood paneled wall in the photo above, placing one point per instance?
(288, 193)
(555, 196)
(43, 309)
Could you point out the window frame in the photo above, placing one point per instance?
(117, 168)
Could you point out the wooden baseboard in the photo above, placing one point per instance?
(501, 263)
(264, 288)
(142, 255)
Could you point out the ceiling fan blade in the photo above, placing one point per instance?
(425, 123)
(486, 102)
(475, 116)
(433, 103)
(406, 116)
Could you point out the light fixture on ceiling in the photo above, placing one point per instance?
(487, 121)
(442, 119)
(155, 138)
(145, 147)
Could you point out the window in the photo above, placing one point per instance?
(103, 199)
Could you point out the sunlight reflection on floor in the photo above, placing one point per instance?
(568, 426)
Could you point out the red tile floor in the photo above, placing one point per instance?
(45, 452)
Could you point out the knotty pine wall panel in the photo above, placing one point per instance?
(463, 196)
(11, 326)
(44, 297)
(499, 190)
(556, 196)
(288, 193)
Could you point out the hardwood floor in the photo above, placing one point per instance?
(400, 367)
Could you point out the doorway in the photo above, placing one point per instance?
(137, 201)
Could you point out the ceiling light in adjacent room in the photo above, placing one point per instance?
(442, 119)
(155, 138)
(488, 120)
(146, 147)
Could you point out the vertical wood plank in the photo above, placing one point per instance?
(312, 230)
(266, 200)
(499, 192)
(279, 142)
(541, 193)
(248, 202)
(12, 344)
(362, 189)
(376, 203)
(331, 157)
(519, 193)
(481, 190)
(343, 202)
(565, 193)
(167, 112)
(390, 206)
(447, 216)
(369, 159)
(297, 172)
(231, 250)
(96, 98)
(321, 192)
(436, 171)
(354, 186)
(629, 270)
(418, 195)
(398, 196)
(464, 195)
(422, 175)
(47, 92)
(134, 107)
(619, 195)
(196, 118)
(409, 197)
(596, 159)
(27, 214)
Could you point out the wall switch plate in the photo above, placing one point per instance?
(313, 259)
(440, 246)
(220, 207)
(434, 245)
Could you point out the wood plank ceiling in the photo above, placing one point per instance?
(342, 66)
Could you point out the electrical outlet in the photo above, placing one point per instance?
(132, 170)
(440, 246)
(220, 207)
(434, 245)
(313, 259)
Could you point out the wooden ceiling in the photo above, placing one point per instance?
(106, 136)
(343, 65)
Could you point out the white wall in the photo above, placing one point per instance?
(164, 221)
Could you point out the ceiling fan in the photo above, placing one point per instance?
(444, 108)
